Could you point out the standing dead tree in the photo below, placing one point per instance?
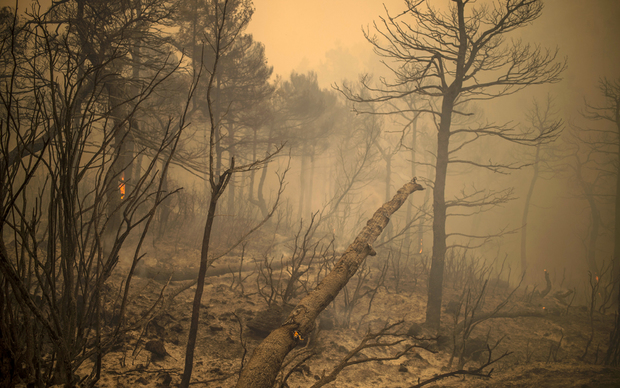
(606, 143)
(263, 367)
(219, 42)
(452, 59)
(602, 144)
(542, 119)
(593, 185)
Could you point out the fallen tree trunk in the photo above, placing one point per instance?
(182, 274)
(266, 361)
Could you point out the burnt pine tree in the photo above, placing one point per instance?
(304, 118)
(220, 40)
(541, 118)
(583, 166)
(609, 144)
(604, 145)
(241, 65)
(245, 85)
(452, 58)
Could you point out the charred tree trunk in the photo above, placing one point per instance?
(302, 184)
(165, 208)
(435, 282)
(232, 185)
(594, 232)
(262, 369)
(202, 272)
(253, 172)
(409, 236)
(310, 186)
(526, 210)
(119, 173)
(260, 198)
(595, 216)
(262, 204)
(616, 260)
(218, 129)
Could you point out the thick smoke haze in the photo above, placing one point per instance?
(326, 37)
(297, 193)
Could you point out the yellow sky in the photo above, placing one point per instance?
(325, 36)
(299, 34)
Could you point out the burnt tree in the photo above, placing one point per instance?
(452, 58)
(263, 367)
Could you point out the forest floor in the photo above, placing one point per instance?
(545, 350)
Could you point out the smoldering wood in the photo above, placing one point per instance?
(265, 363)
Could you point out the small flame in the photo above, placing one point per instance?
(544, 307)
(121, 186)
(597, 279)
(421, 246)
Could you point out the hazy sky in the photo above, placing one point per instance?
(300, 34)
(314, 34)
(325, 36)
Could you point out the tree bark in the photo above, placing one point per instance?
(262, 369)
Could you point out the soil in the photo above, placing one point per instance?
(545, 350)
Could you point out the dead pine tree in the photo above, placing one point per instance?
(453, 59)
(542, 119)
(265, 363)
(220, 41)
(601, 157)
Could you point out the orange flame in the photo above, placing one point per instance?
(421, 246)
(121, 186)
